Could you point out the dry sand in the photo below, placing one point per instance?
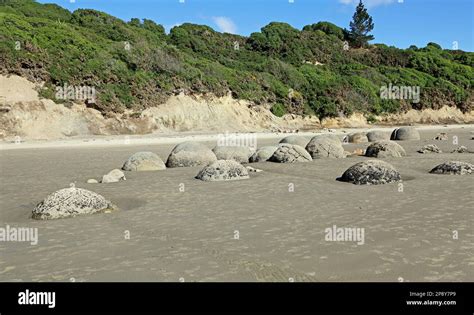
(190, 234)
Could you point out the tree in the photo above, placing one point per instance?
(360, 26)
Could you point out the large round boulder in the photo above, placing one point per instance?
(378, 135)
(239, 154)
(454, 168)
(71, 202)
(263, 154)
(371, 172)
(357, 137)
(325, 147)
(290, 153)
(405, 133)
(384, 149)
(223, 170)
(144, 161)
(298, 140)
(190, 153)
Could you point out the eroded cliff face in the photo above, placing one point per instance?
(23, 114)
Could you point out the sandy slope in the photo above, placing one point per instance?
(24, 115)
(190, 234)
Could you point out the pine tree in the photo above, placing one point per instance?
(360, 26)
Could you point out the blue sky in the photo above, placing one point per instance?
(399, 23)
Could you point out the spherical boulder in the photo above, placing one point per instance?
(357, 137)
(429, 148)
(263, 154)
(70, 202)
(371, 172)
(325, 147)
(144, 161)
(405, 133)
(454, 168)
(384, 149)
(223, 170)
(378, 135)
(290, 153)
(239, 154)
(190, 153)
(113, 176)
(298, 140)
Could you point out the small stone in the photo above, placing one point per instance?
(92, 181)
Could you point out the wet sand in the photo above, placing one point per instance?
(189, 236)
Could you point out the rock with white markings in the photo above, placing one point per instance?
(454, 168)
(70, 202)
(325, 147)
(223, 170)
(371, 172)
(290, 153)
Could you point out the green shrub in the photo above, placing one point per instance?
(136, 65)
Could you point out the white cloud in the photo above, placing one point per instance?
(368, 3)
(225, 24)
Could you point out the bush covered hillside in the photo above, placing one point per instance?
(136, 64)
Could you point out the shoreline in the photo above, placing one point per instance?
(177, 137)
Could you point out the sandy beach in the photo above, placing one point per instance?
(190, 235)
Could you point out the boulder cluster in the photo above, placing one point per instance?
(224, 163)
